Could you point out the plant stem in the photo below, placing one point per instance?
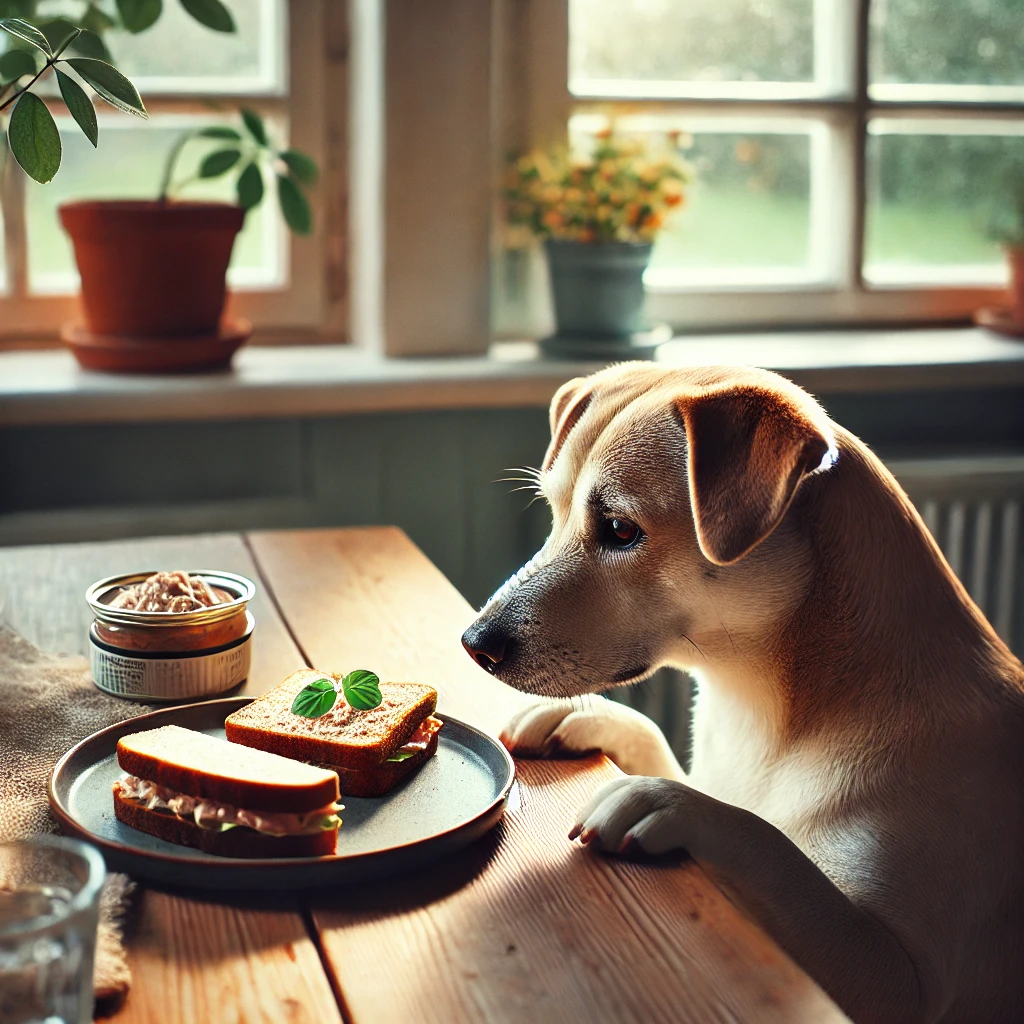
(172, 159)
(50, 61)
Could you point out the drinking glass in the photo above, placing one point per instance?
(49, 907)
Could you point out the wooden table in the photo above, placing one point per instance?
(523, 927)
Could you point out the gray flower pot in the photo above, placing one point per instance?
(598, 288)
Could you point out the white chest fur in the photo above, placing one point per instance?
(736, 759)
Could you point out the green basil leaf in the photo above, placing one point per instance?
(35, 141)
(138, 15)
(211, 13)
(362, 689)
(89, 44)
(96, 20)
(296, 211)
(15, 63)
(249, 186)
(218, 162)
(80, 106)
(26, 33)
(403, 755)
(219, 132)
(315, 699)
(254, 123)
(303, 167)
(110, 84)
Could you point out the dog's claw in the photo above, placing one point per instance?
(575, 831)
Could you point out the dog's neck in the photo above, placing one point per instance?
(884, 632)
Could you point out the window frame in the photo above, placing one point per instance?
(539, 74)
(312, 301)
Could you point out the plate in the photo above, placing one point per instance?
(458, 795)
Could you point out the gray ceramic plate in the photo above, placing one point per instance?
(456, 797)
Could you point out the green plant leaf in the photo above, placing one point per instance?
(110, 84)
(362, 689)
(303, 167)
(211, 13)
(219, 132)
(80, 106)
(315, 699)
(218, 162)
(35, 141)
(249, 186)
(89, 44)
(15, 63)
(95, 20)
(57, 31)
(294, 208)
(138, 15)
(254, 124)
(26, 33)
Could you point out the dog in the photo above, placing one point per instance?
(857, 778)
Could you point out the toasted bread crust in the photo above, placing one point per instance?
(346, 737)
(236, 842)
(384, 777)
(263, 794)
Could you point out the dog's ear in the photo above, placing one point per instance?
(748, 448)
(568, 405)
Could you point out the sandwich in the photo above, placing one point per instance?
(372, 734)
(196, 790)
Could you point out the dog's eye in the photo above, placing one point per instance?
(621, 533)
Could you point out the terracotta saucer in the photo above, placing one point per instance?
(115, 354)
(999, 319)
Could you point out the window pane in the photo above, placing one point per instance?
(932, 198)
(747, 217)
(178, 55)
(129, 166)
(966, 43)
(706, 41)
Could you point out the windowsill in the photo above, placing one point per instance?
(43, 387)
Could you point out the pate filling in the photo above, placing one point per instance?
(419, 740)
(218, 817)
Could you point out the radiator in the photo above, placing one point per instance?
(972, 506)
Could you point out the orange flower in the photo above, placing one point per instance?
(653, 221)
(552, 219)
(673, 198)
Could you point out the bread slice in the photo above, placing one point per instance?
(203, 766)
(344, 736)
(235, 842)
(382, 779)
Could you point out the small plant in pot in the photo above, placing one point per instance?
(154, 272)
(598, 213)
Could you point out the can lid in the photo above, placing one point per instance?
(102, 591)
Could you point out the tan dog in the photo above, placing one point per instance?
(858, 734)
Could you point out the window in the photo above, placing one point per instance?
(849, 152)
(188, 76)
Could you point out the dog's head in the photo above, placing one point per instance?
(669, 491)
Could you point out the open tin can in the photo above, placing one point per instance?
(171, 655)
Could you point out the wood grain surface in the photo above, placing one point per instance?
(526, 926)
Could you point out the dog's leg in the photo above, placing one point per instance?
(591, 723)
(845, 948)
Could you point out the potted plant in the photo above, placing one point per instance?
(1007, 228)
(598, 213)
(153, 272)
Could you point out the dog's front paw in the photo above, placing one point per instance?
(549, 728)
(654, 815)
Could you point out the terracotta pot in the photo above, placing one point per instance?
(1015, 257)
(150, 268)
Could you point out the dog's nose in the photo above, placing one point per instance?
(485, 644)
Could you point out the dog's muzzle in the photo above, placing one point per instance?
(487, 643)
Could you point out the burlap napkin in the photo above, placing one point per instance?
(48, 704)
